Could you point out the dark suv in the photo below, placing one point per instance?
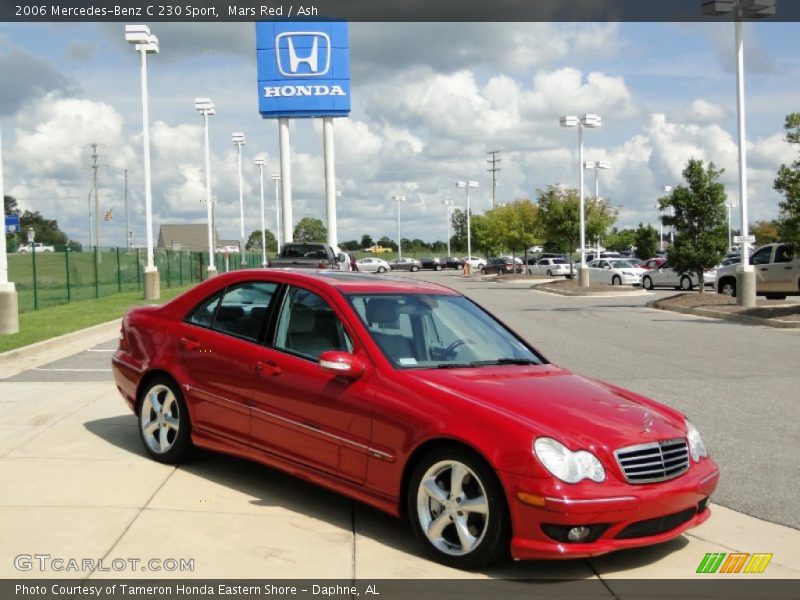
(501, 266)
(453, 262)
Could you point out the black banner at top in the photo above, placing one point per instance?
(392, 10)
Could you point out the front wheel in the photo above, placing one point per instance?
(438, 267)
(414, 269)
(647, 283)
(728, 288)
(381, 269)
(483, 271)
(549, 273)
(164, 424)
(457, 509)
(686, 283)
(616, 280)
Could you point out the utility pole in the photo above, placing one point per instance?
(494, 161)
(96, 199)
(127, 216)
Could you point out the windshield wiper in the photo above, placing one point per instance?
(488, 363)
(517, 361)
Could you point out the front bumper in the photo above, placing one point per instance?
(616, 505)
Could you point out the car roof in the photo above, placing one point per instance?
(347, 282)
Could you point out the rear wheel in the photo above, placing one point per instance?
(686, 283)
(414, 269)
(438, 267)
(728, 287)
(457, 509)
(381, 269)
(483, 271)
(549, 273)
(647, 282)
(616, 280)
(164, 424)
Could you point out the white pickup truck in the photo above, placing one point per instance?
(777, 268)
(39, 248)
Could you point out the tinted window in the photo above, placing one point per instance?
(203, 315)
(308, 326)
(244, 308)
(304, 251)
(784, 254)
(762, 256)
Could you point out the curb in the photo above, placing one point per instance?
(56, 342)
(744, 319)
(543, 287)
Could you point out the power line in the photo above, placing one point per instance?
(494, 161)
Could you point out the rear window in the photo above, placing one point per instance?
(304, 251)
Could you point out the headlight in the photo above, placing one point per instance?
(567, 465)
(696, 446)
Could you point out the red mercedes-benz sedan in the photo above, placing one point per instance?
(410, 397)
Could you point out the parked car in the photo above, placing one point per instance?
(502, 265)
(475, 262)
(777, 269)
(411, 398)
(434, 263)
(38, 246)
(309, 255)
(453, 262)
(653, 263)
(594, 255)
(616, 271)
(666, 276)
(373, 265)
(405, 264)
(550, 266)
(731, 260)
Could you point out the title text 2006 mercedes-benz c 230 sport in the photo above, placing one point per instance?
(410, 397)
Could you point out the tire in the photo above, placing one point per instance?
(775, 296)
(438, 268)
(162, 412)
(616, 280)
(647, 282)
(483, 271)
(381, 269)
(686, 284)
(549, 273)
(727, 287)
(414, 269)
(485, 525)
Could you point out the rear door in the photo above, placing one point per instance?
(761, 260)
(217, 349)
(782, 273)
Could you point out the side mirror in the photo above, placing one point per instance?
(341, 363)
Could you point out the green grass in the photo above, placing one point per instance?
(50, 322)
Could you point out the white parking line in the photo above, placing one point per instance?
(73, 370)
(100, 350)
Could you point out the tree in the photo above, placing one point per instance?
(366, 241)
(788, 183)
(350, 245)
(646, 241)
(47, 231)
(386, 242)
(700, 222)
(765, 232)
(619, 240)
(254, 241)
(514, 226)
(309, 229)
(10, 205)
(458, 225)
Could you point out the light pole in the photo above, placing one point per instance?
(597, 165)
(466, 185)
(591, 121)
(146, 43)
(261, 163)
(278, 237)
(239, 141)
(206, 108)
(399, 199)
(9, 300)
(668, 189)
(660, 227)
(448, 205)
(742, 9)
(729, 206)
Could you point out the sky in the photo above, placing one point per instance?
(429, 100)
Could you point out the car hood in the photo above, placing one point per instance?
(554, 402)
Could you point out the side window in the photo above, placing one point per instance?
(784, 254)
(203, 315)
(762, 256)
(244, 308)
(308, 326)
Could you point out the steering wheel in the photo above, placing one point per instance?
(449, 352)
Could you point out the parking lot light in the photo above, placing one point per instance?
(399, 199)
(146, 43)
(592, 121)
(729, 206)
(239, 141)
(448, 204)
(466, 185)
(278, 236)
(261, 163)
(597, 165)
(207, 109)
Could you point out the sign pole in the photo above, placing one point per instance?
(9, 303)
(330, 180)
(286, 179)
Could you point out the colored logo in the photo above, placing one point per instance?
(310, 61)
(735, 562)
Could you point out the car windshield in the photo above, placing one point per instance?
(622, 263)
(424, 331)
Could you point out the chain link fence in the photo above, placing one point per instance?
(45, 279)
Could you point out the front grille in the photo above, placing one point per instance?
(656, 526)
(655, 461)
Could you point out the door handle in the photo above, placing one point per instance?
(267, 369)
(190, 343)
(788, 268)
(764, 269)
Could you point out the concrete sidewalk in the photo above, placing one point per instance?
(77, 484)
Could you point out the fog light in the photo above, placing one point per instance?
(578, 534)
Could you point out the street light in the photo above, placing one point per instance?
(239, 141)
(660, 227)
(261, 163)
(9, 299)
(729, 206)
(597, 165)
(466, 185)
(206, 108)
(146, 43)
(448, 206)
(278, 236)
(399, 199)
(591, 121)
(668, 189)
(742, 9)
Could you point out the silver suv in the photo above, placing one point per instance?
(777, 268)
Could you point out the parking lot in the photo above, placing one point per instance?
(78, 483)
